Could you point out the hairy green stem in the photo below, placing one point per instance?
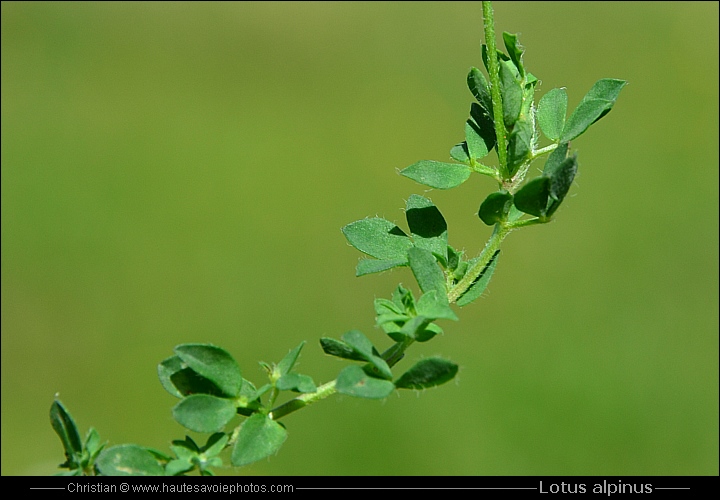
(304, 400)
(519, 177)
(542, 151)
(494, 73)
(513, 185)
(486, 255)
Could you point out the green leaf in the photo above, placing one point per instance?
(179, 466)
(512, 93)
(378, 238)
(214, 364)
(454, 258)
(339, 349)
(65, 427)
(210, 462)
(428, 332)
(437, 174)
(561, 177)
(519, 145)
(543, 195)
(560, 182)
(426, 270)
(185, 448)
(484, 127)
(363, 347)
(459, 152)
(500, 56)
(596, 104)
(93, 446)
(427, 373)
(495, 208)
(460, 271)
(179, 380)
(435, 306)
(187, 382)
(268, 368)
(515, 50)
(369, 266)
(385, 306)
(249, 400)
(205, 466)
(296, 382)
(287, 363)
(259, 437)
(251, 393)
(215, 444)
(479, 133)
(555, 159)
(403, 298)
(551, 112)
(533, 197)
(158, 455)
(391, 318)
(480, 88)
(427, 226)
(395, 332)
(353, 381)
(128, 460)
(514, 214)
(392, 315)
(417, 328)
(475, 143)
(481, 283)
(166, 369)
(528, 99)
(204, 413)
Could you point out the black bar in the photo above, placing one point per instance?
(339, 486)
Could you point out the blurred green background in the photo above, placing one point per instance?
(178, 172)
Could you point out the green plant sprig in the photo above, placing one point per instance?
(207, 380)
(497, 103)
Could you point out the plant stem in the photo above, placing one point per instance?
(494, 73)
(304, 400)
(486, 255)
(542, 151)
(395, 352)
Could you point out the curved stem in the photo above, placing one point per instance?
(494, 73)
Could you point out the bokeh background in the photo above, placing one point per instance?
(178, 172)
